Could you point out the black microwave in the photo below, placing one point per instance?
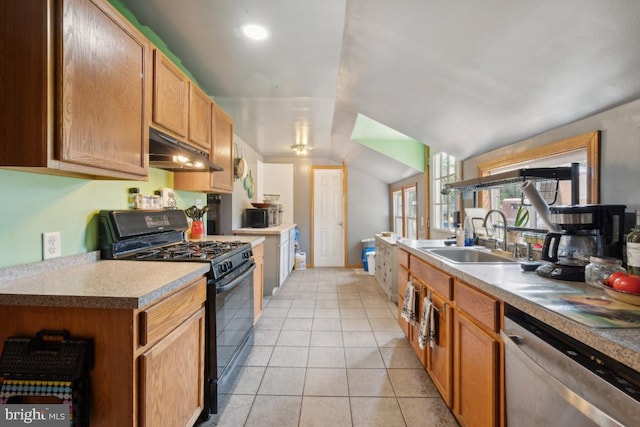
(256, 218)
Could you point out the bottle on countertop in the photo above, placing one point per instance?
(468, 231)
(134, 198)
(633, 247)
(459, 235)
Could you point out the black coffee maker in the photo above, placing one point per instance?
(586, 230)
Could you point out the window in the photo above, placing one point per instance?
(411, 212)
(405, 212)
(508, 199)
(398, 213)
(582, 149)
(444, 171)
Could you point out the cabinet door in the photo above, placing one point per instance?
(414, 330)
(222, 150)
(403, 278)
(258, 286)
(104, 81)
(170, 95)
(199, 118)
(284, 260)
(440, 356)
(292, 249)
(476, 378)
(172, 377)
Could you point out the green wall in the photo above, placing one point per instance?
(32, 204)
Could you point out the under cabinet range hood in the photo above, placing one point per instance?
(169, 153)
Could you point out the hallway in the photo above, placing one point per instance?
(328, 352)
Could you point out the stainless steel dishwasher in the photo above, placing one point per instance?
(553, 380)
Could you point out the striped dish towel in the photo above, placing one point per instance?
(409, 305)
(426, 322)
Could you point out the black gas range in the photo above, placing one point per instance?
(159, 235)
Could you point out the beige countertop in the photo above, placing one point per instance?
(101, 283)
(264, 231)
(509, 283)
(85, 280)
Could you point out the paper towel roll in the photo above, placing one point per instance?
(529, 190)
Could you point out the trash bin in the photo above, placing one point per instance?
(371, 263)
(301, 261)
(368, 245)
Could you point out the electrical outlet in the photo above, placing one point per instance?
(51, 245)
(199, 203)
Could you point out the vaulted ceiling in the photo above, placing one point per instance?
(462, 76)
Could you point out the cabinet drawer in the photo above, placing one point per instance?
(481, 307)
(159, 319)
(403, 258)
(433, 277)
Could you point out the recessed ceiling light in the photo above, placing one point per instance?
(255, 31)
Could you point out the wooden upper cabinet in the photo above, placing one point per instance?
(170, 96)
(180, 107)
(76, 91)
(199, 118)
(222, 150)
(221, 154)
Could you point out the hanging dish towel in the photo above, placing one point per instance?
(434, 320)
(409, 304)
(426, 320)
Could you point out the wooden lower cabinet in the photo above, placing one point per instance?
(403, 278)
(414, 329)
(476, 377)
(171, 375)
(465, 364)
(146, 372)
(258, 278)
(440, 356)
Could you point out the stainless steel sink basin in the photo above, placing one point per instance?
(468, 255)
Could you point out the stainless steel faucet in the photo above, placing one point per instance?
(504, 222)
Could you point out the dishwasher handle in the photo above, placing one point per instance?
(512, 343)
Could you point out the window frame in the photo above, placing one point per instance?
(443, 179)
(395, 215)
(403, 197)
(589, 141)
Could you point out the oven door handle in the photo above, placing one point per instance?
(231, 282)
(512, 343)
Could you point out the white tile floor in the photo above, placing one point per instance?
(328, 352)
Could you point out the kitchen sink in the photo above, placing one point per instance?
(468, 255)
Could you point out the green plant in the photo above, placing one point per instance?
(522, 217)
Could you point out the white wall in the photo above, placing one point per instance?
(368, 211)
(619, 152)
(277, 178)
(240, 200)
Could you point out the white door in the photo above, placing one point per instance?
(328, 212)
